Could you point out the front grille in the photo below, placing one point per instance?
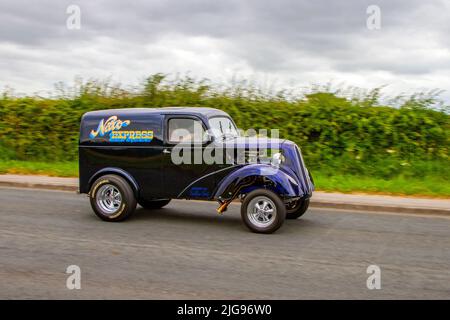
(304, 171)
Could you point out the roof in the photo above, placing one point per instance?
(198, 111)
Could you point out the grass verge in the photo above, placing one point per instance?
(55, 169)
(430, 186)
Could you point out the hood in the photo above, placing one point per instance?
(253, 143)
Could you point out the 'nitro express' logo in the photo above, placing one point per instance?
(108, 126)
(112, 126)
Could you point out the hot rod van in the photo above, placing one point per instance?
(148, 156)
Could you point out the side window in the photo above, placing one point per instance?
(185, 130)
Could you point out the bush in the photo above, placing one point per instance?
(354, 135)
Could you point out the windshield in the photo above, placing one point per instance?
(222, 127)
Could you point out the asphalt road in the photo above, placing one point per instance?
(188, 251)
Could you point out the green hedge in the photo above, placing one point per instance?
(349, 135)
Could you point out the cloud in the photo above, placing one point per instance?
(290, 43)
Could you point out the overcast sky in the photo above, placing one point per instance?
(289, 43)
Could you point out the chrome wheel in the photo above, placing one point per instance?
(109, 199)
(261, 211)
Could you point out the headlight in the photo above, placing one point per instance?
(277, 159)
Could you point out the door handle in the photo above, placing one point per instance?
(166, 151)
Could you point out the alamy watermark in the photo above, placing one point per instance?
(193, 147)
(73, 21)
(74, 279)
(373, 21)
(374, 280)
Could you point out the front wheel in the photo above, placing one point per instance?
(297, 209)
(263, 211)
(153, 204)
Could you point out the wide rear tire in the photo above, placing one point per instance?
(112, 198)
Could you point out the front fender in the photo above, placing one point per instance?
(285, 185)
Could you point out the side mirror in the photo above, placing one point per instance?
(207, 137)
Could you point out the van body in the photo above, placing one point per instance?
(152, 155)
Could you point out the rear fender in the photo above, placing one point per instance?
(120, 172)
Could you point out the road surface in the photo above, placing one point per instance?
(188, 251)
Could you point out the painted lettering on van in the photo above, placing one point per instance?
(131, 136)
(111, 124)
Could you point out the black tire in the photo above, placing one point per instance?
(255, 197)
(297, 210)
(118, 211)
(153, 204)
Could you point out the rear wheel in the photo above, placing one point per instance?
(153, 204)
(112, 198)
(263, 211)
(297, 209)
